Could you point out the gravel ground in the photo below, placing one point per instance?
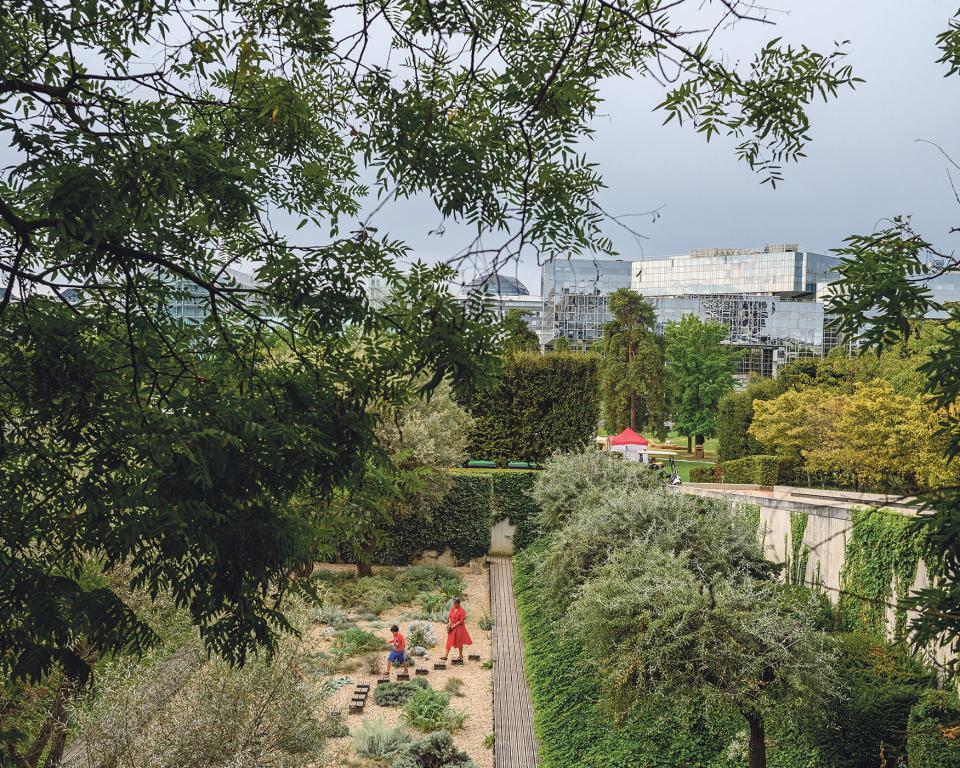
(477, 691)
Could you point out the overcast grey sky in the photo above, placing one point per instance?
(863, 164)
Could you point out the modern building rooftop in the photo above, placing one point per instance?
(501, 285)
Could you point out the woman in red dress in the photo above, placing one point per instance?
(457, 635)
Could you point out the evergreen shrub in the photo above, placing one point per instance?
(881, 682)
(933, 731)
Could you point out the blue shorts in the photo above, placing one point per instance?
(395, 657)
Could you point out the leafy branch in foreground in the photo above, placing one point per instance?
(883, 291)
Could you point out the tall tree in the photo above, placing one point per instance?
(681, 632)
(634, 380)
(519, 336)
(701, 370)
(883, 291)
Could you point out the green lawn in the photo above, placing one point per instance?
(684, 467)
(709, 445)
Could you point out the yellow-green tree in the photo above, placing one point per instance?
(796, 422)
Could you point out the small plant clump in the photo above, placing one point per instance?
(489, 740)
(374, 662)
(429, 710)
(488, 664)
(393, 694)
(374, 738)
(421, 633)
(434, 607)
(353, 641)
(454, 686)
(435, 750)
(485, 622)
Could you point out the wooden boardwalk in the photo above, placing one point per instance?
(514, 746)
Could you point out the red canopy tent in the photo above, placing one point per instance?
(629, 437)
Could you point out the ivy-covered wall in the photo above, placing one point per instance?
(880, 566)
(799, 553)
(461, 524)
(512, 501)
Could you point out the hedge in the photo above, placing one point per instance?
(511, 501)
(706, 474)
(753, 470)
(463, 521)
(932, 731)
(750, 470)
(461, 524)
(879, 684)
(542, 404)
(734, 415)
(758, 470)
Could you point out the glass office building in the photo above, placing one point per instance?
(191, 302)
(769, 299)
(576, 297)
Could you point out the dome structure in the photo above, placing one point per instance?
(501, 285)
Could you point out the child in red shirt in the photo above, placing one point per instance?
(397, 656)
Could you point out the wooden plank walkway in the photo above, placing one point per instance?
(515, 745)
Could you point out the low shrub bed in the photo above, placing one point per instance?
(395, 693)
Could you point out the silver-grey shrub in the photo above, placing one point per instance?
(649, 623)
(571, 480)
(374, 738)
(717, 535)
(263, 714)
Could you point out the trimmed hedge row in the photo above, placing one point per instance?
(542, 404)
(749, 470)
(464, 519)
(512, 501)
(461, 523)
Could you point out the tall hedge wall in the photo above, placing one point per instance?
(511, 501)
(543, 404)
(461, 524)
(734, 415)
(463, 521)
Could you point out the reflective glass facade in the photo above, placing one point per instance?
(733, 271)
(576, 296)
